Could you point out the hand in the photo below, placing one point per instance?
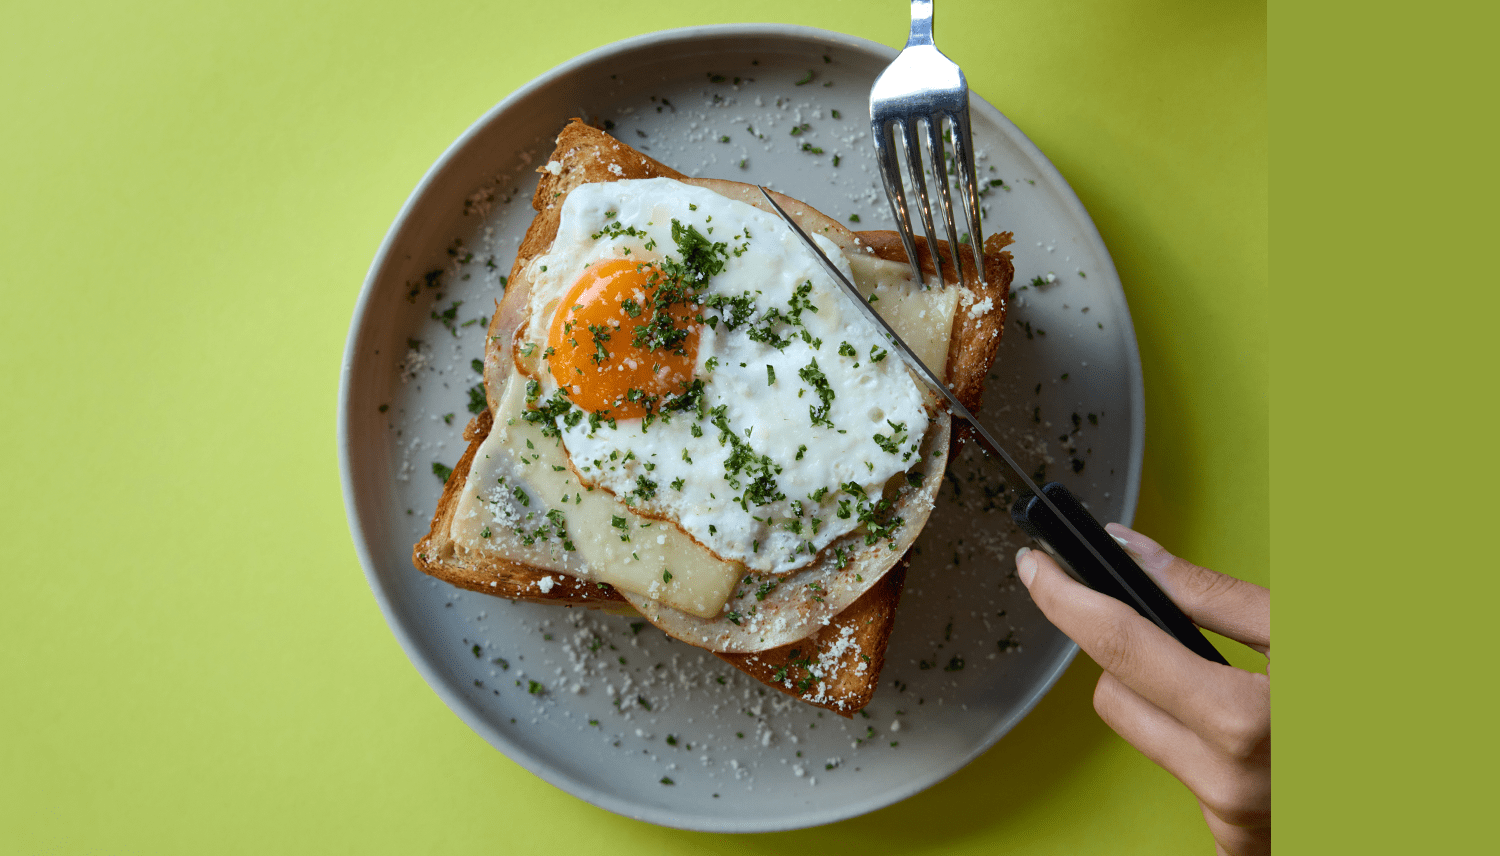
(1207, 724)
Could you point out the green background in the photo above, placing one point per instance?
(192, 194)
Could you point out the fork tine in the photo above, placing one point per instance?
(924, 204)
(968, 186)
(890, 173)
(940, 173)
(921, 84)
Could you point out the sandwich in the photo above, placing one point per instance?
(684, 419)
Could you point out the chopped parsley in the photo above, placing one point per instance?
(601, 335)
(556, 406)
(739, 310)
(448, 316)
(756, 474)
(689, 400)
(874, 514)
(477, 401)
(676, 281)
(645, 489)
(892, 444)
(815, 378)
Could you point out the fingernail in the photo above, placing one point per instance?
(1025, 566)
(1132, 546)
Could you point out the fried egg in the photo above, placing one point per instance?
(695, 361)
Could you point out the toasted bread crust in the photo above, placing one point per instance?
(849, 652)
(836, 668)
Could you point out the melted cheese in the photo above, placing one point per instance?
(658, 560)
(922, 317)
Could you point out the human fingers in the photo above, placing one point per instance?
(1231, 840)
(1228, 606)
(1157, 734)
(1230, 777)
(1136, 651)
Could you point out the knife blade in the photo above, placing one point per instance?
(1051, 514)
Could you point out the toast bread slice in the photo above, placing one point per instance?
(836, 668)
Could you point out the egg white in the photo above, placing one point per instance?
(828, 461)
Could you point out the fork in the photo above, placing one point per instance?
(922, 86)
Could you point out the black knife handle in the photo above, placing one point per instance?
(1040, 523)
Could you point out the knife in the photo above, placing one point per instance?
(1050, 514)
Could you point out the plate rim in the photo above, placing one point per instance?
(359, 330)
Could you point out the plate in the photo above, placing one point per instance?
(605, 707)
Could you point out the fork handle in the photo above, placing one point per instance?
(921, 23)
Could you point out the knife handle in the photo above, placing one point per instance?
(1040, 523)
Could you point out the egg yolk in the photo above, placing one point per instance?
(593, 355)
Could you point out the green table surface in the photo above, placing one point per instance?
(193, 661)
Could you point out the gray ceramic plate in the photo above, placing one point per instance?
(609, 709)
